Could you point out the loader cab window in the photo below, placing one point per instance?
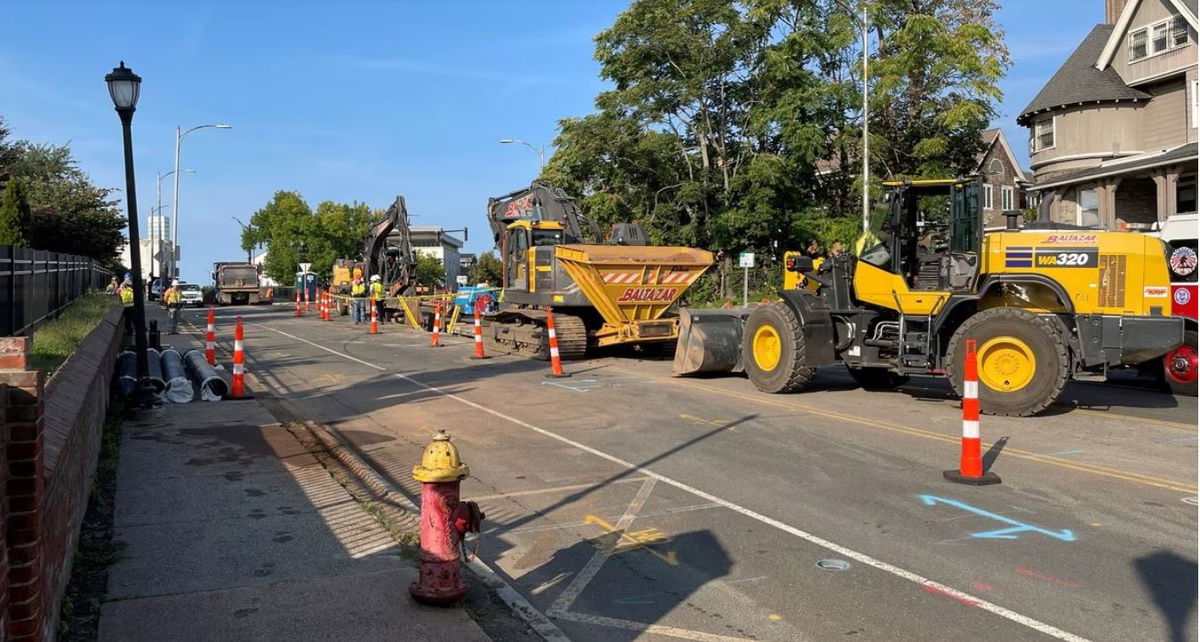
(931, 235)
(518, 246)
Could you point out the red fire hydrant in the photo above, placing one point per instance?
(444, 522)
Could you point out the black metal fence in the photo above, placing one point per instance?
(36, 285)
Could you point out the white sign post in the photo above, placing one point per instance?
(746, 261)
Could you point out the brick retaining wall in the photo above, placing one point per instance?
(51, 433)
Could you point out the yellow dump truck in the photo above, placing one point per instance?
(610, 294)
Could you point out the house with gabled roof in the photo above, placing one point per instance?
(1003, 181)
(1112, 135)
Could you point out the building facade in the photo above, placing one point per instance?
(432, 240)
(1112, 135)
(1003, 180)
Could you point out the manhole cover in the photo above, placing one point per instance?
(833, 565)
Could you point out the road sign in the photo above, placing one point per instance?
(462, 279)
(304, 267)
(746, 260)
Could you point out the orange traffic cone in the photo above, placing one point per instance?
(238, 389)
(970, 467)
(210, 338)
(479, 354)
(374, 316)
(556, 369)
(435, 340)
(299, 310)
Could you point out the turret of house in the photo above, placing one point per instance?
(1112, 135)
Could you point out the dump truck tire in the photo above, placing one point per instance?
(877, 378)
(1024, 363)
(773, 349)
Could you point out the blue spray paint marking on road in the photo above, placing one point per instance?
(1004, 533)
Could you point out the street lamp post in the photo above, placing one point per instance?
(540, 149)
(124, 87)
(249, 256)
(157, 211)
(175, 201)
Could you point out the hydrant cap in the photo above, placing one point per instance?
(440, 462)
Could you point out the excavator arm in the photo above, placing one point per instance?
(541, 201)
(389, 251)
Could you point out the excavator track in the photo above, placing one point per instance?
(524, 331)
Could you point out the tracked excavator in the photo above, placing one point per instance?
(387, 251)
(603, 292)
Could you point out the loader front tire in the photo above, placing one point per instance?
(773, 349)
(1023, 362)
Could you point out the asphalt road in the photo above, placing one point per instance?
(625, 504)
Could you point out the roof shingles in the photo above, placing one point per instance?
(1078, 80)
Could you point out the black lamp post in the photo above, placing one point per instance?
(124, 87)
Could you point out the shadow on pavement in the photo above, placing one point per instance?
(1170, 579)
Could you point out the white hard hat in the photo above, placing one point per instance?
(175, 282)
(374, 277)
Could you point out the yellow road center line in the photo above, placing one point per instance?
(1137, 478)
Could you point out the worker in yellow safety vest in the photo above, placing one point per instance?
(377, 294)
(126, 293)
(173, 297)
(358, 295)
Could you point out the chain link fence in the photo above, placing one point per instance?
(36, 285)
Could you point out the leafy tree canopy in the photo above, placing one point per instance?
(294, 232)
(486, 270)
(431, 271)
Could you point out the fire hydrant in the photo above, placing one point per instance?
(444, 522)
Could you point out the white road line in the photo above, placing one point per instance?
(861, 558)
(584, 577)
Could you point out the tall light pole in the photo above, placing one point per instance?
(866, 170)
(175, 201)
(540, 149)
(124, 86)
(249, 256)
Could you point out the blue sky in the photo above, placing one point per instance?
(353, 100)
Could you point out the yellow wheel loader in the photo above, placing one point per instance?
(602, 294)
(1041, 302)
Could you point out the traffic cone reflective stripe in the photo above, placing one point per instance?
(435, 341)
(479, 354)
(238, 390)
(210, 338)
(556, 369)
(970, 467)
(374, 316)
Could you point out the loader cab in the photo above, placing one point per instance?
(923, 246)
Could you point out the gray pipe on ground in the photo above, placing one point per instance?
(154, 370)
(179, 387)
(126, 374)
(212, 386)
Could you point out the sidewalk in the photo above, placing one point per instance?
(233, 531)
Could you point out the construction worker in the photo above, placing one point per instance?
(114, 287)
(358, 295)
(173, 297)
(377, 294)
(126, 294)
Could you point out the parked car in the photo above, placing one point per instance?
(192, 294)
(156, 290)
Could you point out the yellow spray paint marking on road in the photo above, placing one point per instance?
(707, 422)
(1136, 478)
(636, 539)
(329, 378)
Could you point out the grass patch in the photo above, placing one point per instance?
(55, 341)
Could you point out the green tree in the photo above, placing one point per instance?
(287, 225)
(14, 214)
(487, 270)
(68, 213)
(430, 271)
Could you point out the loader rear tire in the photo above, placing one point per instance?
(1023, 361)
(773, 349)
(877, 378)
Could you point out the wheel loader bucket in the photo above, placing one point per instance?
(709, 341)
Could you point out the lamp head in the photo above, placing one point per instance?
(124, 87)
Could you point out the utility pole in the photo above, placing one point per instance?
(866, 168)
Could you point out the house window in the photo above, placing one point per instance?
(1088, 204)
(1006, 197)
(987, 196)
(1185, 194)
(1042, 137)
(1179, 31)
(1157, 38)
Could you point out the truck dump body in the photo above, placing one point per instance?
(235, 283)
